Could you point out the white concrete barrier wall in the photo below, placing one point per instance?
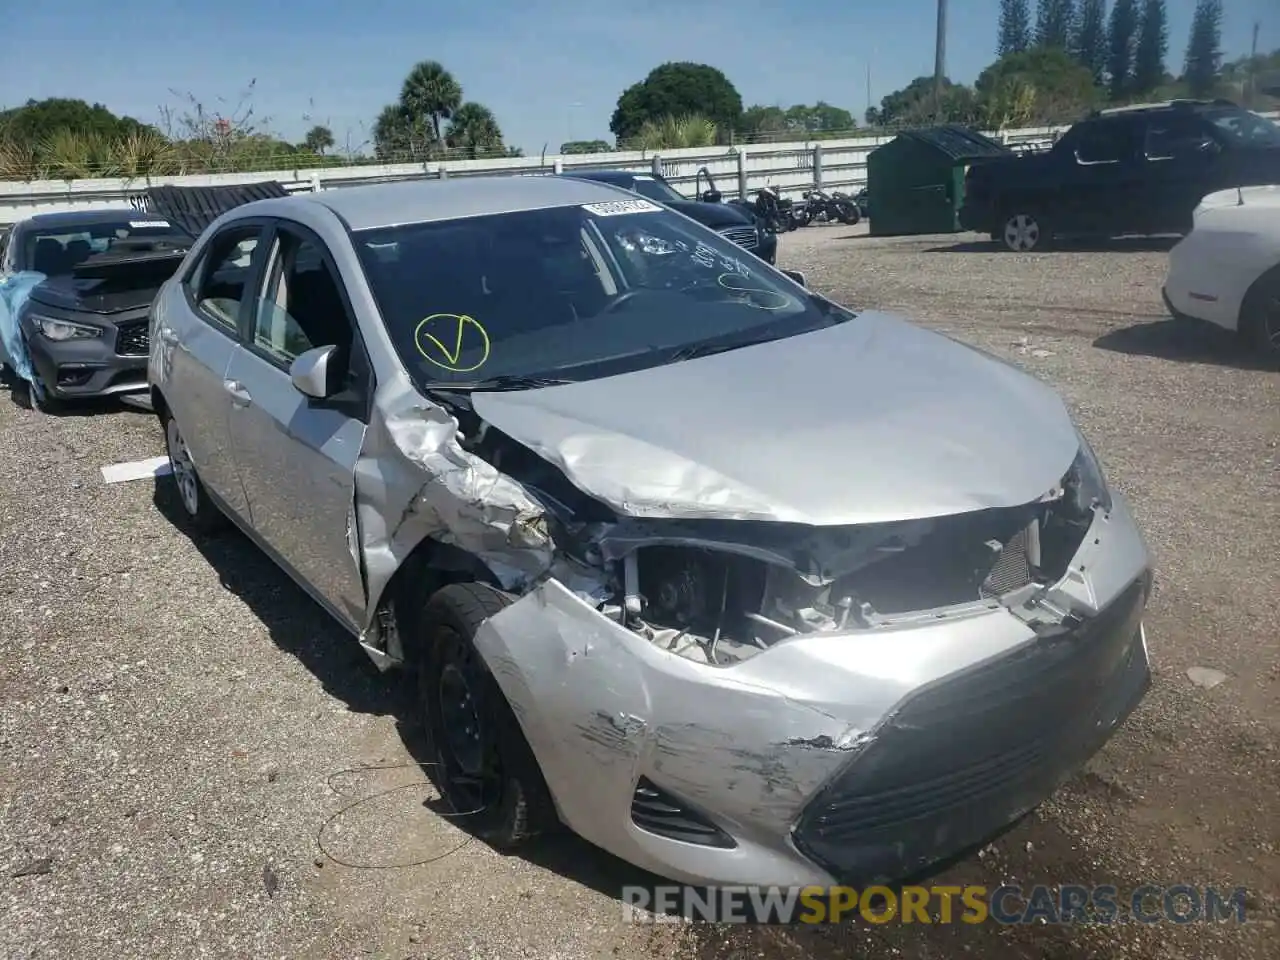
(788, 167)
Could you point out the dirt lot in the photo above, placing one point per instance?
(196, 763)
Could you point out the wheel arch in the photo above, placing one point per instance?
(1271, 275)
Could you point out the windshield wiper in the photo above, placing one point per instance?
(504, 382)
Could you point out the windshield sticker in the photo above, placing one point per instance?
(145, 224)
(615, 208)
(443, 338)
(756, 297)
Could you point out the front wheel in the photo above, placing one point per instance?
(200, 510)
(483, 765)
(1024, 232)
(1260, 315)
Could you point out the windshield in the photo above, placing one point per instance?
(57, 251)
(655, 189)
(572, 293)
(1246, 129)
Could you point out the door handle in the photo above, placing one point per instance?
(239, 395)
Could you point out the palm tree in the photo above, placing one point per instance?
(430, 93)
(475, 130)
(318, 139)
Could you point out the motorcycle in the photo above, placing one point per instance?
(776, 212)
(820, 206)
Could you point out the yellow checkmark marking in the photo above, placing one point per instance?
(452, 332)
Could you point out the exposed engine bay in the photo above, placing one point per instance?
(720, 591)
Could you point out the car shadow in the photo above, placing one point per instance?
(296, 623)
(1185, 341)
(20, 396)
(1118, 245)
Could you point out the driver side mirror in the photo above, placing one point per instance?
(711, 196)
(796, 276)
(317, 372)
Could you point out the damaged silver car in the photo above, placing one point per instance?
(738, 584)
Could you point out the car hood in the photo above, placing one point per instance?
(91, 296)
(714, 215)
(868, 421)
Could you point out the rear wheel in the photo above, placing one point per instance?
(200, 510)
(1024, 232)
(484, 767)
(1260, 315)
(848, 213)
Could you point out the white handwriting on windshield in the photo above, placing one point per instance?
(704, 256)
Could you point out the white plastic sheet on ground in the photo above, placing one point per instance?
(14, 290)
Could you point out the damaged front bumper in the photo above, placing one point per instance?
(860, 755)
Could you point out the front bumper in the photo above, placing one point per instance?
(867, 755)
(81, 369)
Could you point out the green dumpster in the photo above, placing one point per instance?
(916, 180)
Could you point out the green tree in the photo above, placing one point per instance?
(1089, 41)
(1204, 48)
(677, 90)
(318, 139)
(1054, 19)
(474, 130)
(1062, 87)
(914, 104)
(1015, 27)
(430, 94)
(822, 117)
(1122, 35)
(38, 120)
(585, 146)
(764, 120)
(1151, 48)
(397, 135)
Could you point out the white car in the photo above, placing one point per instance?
(1227, 269)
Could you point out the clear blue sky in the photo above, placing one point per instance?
(551, 70)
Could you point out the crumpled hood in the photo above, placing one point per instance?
(868, 421)
(66, 293)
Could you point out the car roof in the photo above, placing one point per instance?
(602, 176)
(454, 198)
(81, 218)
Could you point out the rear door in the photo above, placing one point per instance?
(1102, 173)
(198, 344)
(1179, 153)
(297, 455)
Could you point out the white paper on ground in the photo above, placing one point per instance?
(136, 470)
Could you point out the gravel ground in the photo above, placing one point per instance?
(195, 763)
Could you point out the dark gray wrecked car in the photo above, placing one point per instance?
(740, 585)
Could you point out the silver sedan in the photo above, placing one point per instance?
(739, 584)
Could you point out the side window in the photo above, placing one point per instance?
(217, 287)
(1176, 137)
(301, 305)
(1104, 142)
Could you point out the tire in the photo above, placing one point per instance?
(1259, 324)
(1023, 232)
(41, 399)
(483, 765)
(848, 213)
(201, 512)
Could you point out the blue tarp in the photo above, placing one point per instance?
(14, 290)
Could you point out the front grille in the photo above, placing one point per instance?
(132, 338)
(658, 812)
(742, 236)
(960, 759)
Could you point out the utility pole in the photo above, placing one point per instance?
(940, 61)
(868, 89)
(1253, 67)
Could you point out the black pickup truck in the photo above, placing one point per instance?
(1139, 170)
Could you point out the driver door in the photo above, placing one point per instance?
(298, 455)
